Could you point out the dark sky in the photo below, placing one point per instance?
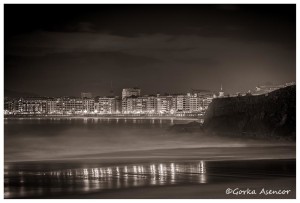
(56, 50)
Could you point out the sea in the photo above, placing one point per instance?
(137, 158)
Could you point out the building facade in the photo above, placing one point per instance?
(128, 92)
(130, 103)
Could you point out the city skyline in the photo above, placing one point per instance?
(171, 48)
(132, 102)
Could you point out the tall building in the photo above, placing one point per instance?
(128, 92)
(88, 105)
(151, 104)
(221, 93)
(129, 99)
(118, 105)
(195, 103)
(51, 106)
(164, 104)
(200, 100)
(180, 103)
(141, 105)
(87, 95)
(10, 106)
(109, 105)
(129, 104)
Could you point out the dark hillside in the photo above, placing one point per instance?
(268, 115)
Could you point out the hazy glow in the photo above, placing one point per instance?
(127, 175)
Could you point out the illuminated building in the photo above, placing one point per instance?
(108, 105)
(69, 105)
(164, 104)
(118, 104)
(195, 103)
(221, 93)
(129, 96)
(141, 105)
(88, 105)
(10, 106)
(182, 103)
(129, 104)
(203, 99)
(151, 104)
(205, 102)
(32, 105)
(136, 105)
(177, 105)
(128, 92)
(51, 106)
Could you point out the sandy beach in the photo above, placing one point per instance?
(100, 158)
(164, 173)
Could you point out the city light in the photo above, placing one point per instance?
(193, 104)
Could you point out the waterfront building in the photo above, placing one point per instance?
(10, 106)
(51, 106)
(69, 105)
(179, 103)
(108, 105)
(88, 105)
(195, 103)
(164, 104)
(182, 103)
(118, 105)
(132, 103)
(150, 104)
(129, 105)
(32, 105)
(204, 98)
(129, 101)
(128, 92)
(141, 105)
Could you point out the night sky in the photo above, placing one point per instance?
(55, 50)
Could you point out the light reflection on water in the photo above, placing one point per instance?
(27, 183)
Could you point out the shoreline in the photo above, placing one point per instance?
(185, 184)
(273, 152)
(103, 117)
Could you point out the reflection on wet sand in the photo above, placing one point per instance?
(25, 183)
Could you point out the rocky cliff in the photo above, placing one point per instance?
(271, 115)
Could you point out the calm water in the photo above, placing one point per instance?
(40, 139)
(40, 157)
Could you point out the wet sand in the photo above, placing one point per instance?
(207, 191)
(127, 158)
(168, 173)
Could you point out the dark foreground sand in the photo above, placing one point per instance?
(202, 191)
(239, 168)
